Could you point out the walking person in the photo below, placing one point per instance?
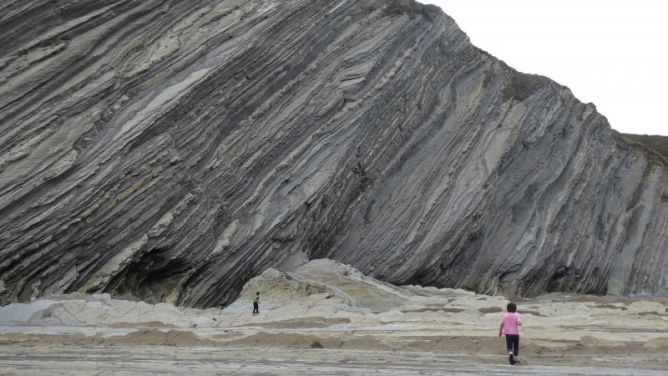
(256, 303)
(510, 326)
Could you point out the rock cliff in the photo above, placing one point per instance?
(172, 150)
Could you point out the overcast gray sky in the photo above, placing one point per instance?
(610, 52)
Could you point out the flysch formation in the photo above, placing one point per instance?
(172, 150)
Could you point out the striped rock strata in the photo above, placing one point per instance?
(172, 150)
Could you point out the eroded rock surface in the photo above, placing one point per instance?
(329, 318)
(173, 150)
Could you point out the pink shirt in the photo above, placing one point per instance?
(511, 323)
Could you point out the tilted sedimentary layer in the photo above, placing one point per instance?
(171, 150)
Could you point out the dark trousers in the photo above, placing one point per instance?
(256, 308)
(513, 343)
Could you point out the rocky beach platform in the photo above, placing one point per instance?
(328, 318)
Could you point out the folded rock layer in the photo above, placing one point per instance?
(172, 150)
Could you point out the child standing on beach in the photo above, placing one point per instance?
(256, 303)
(510, 326)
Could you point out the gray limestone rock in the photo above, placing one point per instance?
(172, 150)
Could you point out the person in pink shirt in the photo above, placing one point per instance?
(510, 326)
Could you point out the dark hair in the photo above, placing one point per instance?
(511, 307)
(257, 292)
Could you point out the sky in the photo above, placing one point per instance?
(613, 53)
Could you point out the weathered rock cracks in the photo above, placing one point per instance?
(172, 150)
